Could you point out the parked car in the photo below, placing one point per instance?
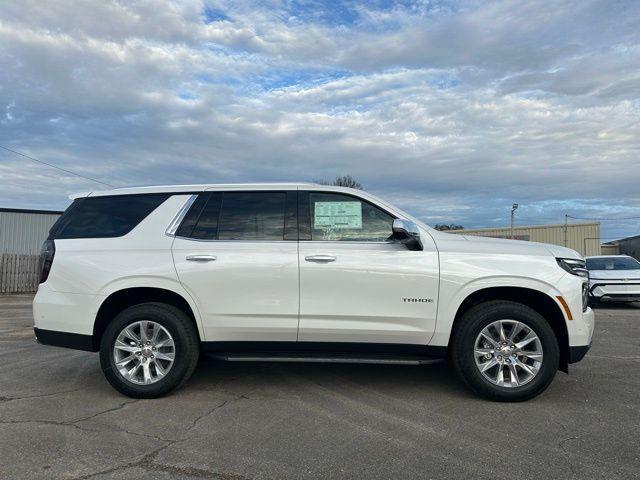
(614, 278)
(152, 276)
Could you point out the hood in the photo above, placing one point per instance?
(614, 274)
(502, 245)
(562, 252)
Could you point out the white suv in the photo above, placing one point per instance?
(152, 276)
(613, 278)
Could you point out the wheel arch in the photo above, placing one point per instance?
(121, 299)
(537, 300)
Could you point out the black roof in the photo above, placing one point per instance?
(29, 210)
(625, 239)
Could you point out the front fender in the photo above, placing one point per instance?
(453, 294)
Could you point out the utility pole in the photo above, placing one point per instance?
(566, 225)
(514, 207)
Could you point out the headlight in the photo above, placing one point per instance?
(574, 266)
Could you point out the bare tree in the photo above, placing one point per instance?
(342, 181)
(451, 226)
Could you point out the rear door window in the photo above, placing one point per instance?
(252, 216)
(248, 216)
(104, 217)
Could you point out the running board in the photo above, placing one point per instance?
(378, 360)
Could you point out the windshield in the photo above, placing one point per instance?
(613, 263)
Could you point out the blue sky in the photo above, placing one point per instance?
(452, 110)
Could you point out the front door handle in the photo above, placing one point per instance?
(201, 258)
(320, 258)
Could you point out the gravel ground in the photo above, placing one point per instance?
(60, 419)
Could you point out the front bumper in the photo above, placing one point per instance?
(577, 353)
(581, 330)
(615, 290)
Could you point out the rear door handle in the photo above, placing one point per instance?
(201, 258)
(320, 258)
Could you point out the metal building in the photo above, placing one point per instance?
(21, 235)
(23, 231)
(609, 248)
(582, 237)
(625, 246)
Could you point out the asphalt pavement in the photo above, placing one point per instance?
(59, 418)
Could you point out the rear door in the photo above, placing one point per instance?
(356, 284)
(236, 252)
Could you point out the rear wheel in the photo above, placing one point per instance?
(505, 351)
(148, 350)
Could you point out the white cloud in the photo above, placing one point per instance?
(452, 110)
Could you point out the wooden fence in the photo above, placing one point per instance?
(18, 273)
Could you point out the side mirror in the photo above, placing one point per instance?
(408, 233)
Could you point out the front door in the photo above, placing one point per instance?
(237, 255)
(356, 285)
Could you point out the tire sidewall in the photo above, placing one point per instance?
(169, 319)
(476, 320)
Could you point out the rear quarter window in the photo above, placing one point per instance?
(104, 217)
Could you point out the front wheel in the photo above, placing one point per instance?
(505, 351)
(148, 350)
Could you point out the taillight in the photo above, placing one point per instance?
(46, 259)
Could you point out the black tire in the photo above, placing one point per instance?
(470, 326)
(187, 348)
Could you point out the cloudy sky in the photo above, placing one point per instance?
(452, 110)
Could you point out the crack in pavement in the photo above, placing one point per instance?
(562, 441)
(108, 410)
(83, 428)
(567, 454)
(212, 410)
(191, 471)
(147, 461)
(72, 423)
(156, 437)
(43, 395)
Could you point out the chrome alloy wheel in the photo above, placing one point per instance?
(508, 353)
(144, 352)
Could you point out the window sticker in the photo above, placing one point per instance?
(337, 215)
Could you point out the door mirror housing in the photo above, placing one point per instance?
(408, 233)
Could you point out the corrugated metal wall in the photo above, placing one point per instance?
(19, 273)
(630, 246)
(23, 232)
(609, 250)
(21, 235)
(582, 237)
